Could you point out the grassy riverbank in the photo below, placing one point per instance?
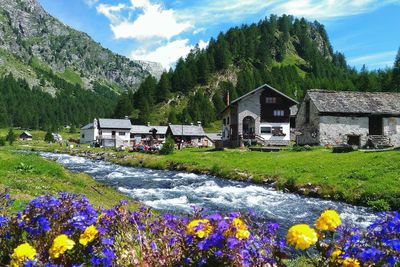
(360, 177)
(28, 175)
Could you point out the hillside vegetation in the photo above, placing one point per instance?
(292, 55)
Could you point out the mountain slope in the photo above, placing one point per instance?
(30, 36)
(291, 54)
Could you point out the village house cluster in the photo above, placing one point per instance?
(267, 117)
(121, 133)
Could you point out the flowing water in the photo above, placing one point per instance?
(176, 192)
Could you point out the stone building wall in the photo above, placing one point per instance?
(309, 131)
(391, 128)
(249, 106)
(335, 130)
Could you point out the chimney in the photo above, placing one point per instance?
(126, 118)
(228, 99)
(148, 123)
(191, 123)
(199, 123)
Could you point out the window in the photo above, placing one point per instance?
(121, 133)
(307, 111)
(83, 135)
(224, 121)
(227, 120)
(279, 113)
(199, 140)
(270, 100)
(266, 130)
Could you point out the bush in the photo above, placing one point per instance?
(343, 149)
(168, 147)
(49, 137)
(11, 136)
(2, 141)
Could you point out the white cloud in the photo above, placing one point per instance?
(153, 22)
(111, 12)
(374, 58)
(213, 12)
(91, 3)
(167, 54)
(329, 8)
(378, 60)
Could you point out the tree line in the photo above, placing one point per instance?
(22, 106)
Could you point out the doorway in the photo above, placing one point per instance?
(375, 125)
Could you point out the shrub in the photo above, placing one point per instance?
(2, 141)
(49, 137)
(11, 136)
(343, 149)
(168, 147)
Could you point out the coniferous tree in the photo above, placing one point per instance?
(396, 73)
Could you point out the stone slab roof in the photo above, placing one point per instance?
(144, 129)
(115, 124)
(372, 103)
(87, 126)
(188, 130)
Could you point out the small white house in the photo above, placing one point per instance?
(107, 132)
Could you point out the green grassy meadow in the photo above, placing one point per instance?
(29, 175)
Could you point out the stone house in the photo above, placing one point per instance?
(355, 118)
(107, 132)
(261, 116)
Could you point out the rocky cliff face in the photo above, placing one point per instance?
(30, 34)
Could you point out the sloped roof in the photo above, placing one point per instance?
(87, 126)
(187, 130)
(115, 124)
(144, 129)
(214, 136)
(26, 133)
(265, 86)
(374, 103)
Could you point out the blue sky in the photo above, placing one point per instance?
(366, 31)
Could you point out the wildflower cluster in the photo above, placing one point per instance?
(336, 245)
(66, 230)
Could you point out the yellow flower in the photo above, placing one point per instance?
(22, 253)
(200, 228)
(60, 244)
(242, 234)
(328, 221)
(336, 253)
(238, 228)
(88, 235)
(301, 236)
(350, 262)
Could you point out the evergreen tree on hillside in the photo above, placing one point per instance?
(396, 73)
(164, 87)
(124, 106)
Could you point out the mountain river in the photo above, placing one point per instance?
(176, 192)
